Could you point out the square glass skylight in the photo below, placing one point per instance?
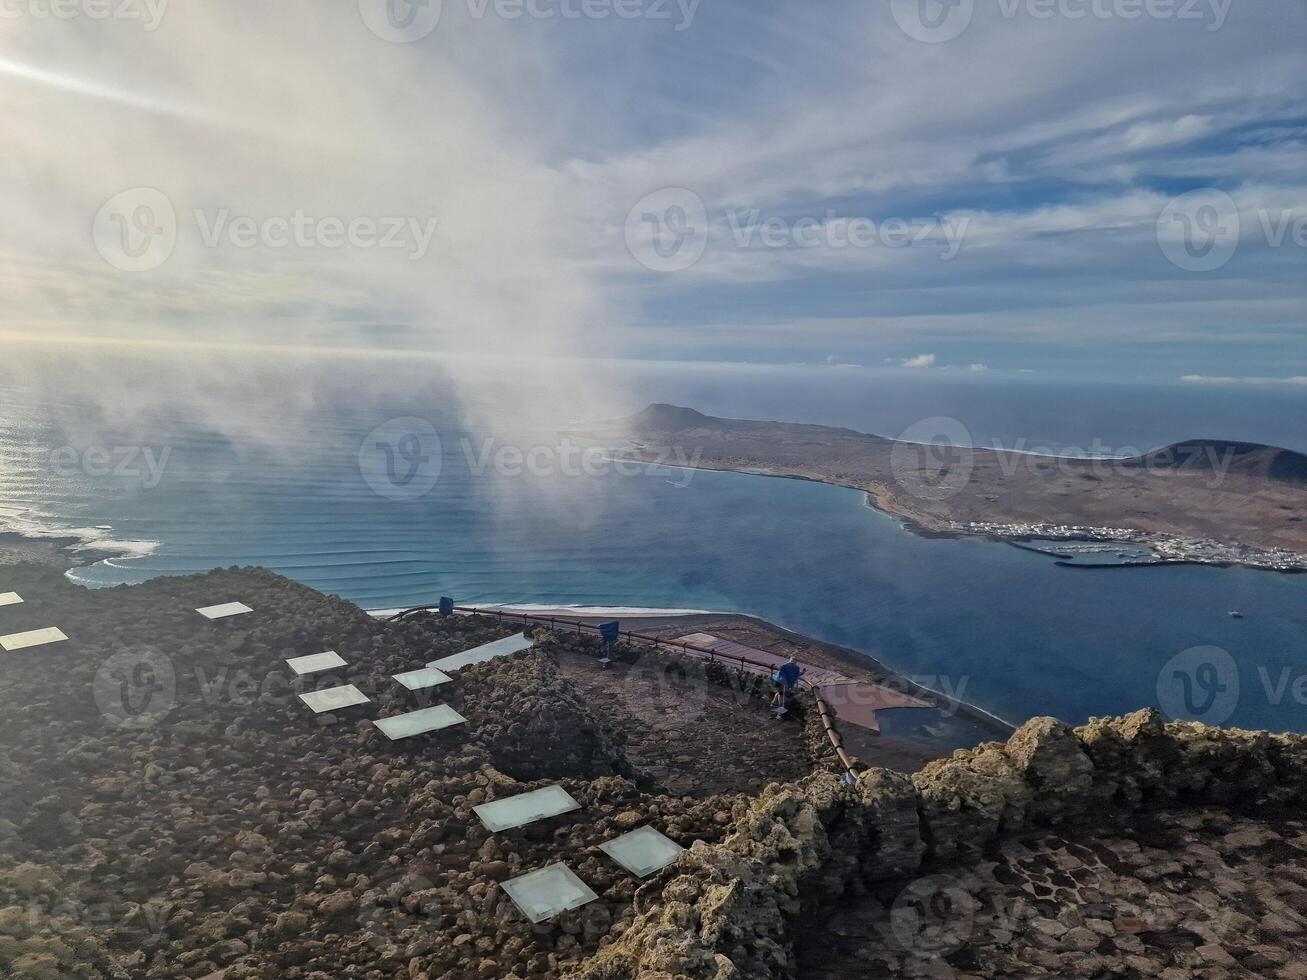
(642, 851)
(525, 808)
(315, 663)
(224, 610)
(10, 598)
(334, 698)
(419, 722)
(489, 651)
(418, 680)
(545, 893)
(32, 638)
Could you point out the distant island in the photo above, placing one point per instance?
(1210, 501)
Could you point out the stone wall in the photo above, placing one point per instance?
(733, 908)
(740, 686)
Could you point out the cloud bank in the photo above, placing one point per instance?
(1004, 197)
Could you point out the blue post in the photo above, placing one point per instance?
(609, 632)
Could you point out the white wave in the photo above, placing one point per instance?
(74, 575)
(536, 609)
(30, 523)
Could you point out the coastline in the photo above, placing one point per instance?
(880, 499)
(773, 637)
(63, 554)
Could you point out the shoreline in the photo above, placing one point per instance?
(762, 634)
(914, 524)
(63, 554)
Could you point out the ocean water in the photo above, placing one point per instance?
(172, 492)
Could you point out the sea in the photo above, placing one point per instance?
(394, 494)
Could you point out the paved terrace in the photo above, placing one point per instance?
(853, 701)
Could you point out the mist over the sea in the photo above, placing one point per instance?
(267, 471)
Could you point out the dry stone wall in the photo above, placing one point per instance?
(735, 907)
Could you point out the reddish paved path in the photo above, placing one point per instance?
(853, 701)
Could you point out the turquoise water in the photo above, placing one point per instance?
(992, 624)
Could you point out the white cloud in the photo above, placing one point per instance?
(920, 361)
(532, 169)
(1206, 379)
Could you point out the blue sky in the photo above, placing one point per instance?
(1013, 188)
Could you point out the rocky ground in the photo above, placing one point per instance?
(906, 747)
(168, 807)
(694, 738)
(1179, 894)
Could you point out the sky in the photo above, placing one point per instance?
(1081, 188)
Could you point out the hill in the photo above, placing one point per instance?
(1248, 459)
(1200, 500)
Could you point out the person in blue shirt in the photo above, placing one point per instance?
(786, 679)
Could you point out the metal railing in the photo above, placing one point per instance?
(824, 712)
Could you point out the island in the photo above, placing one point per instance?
(1208, 501)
